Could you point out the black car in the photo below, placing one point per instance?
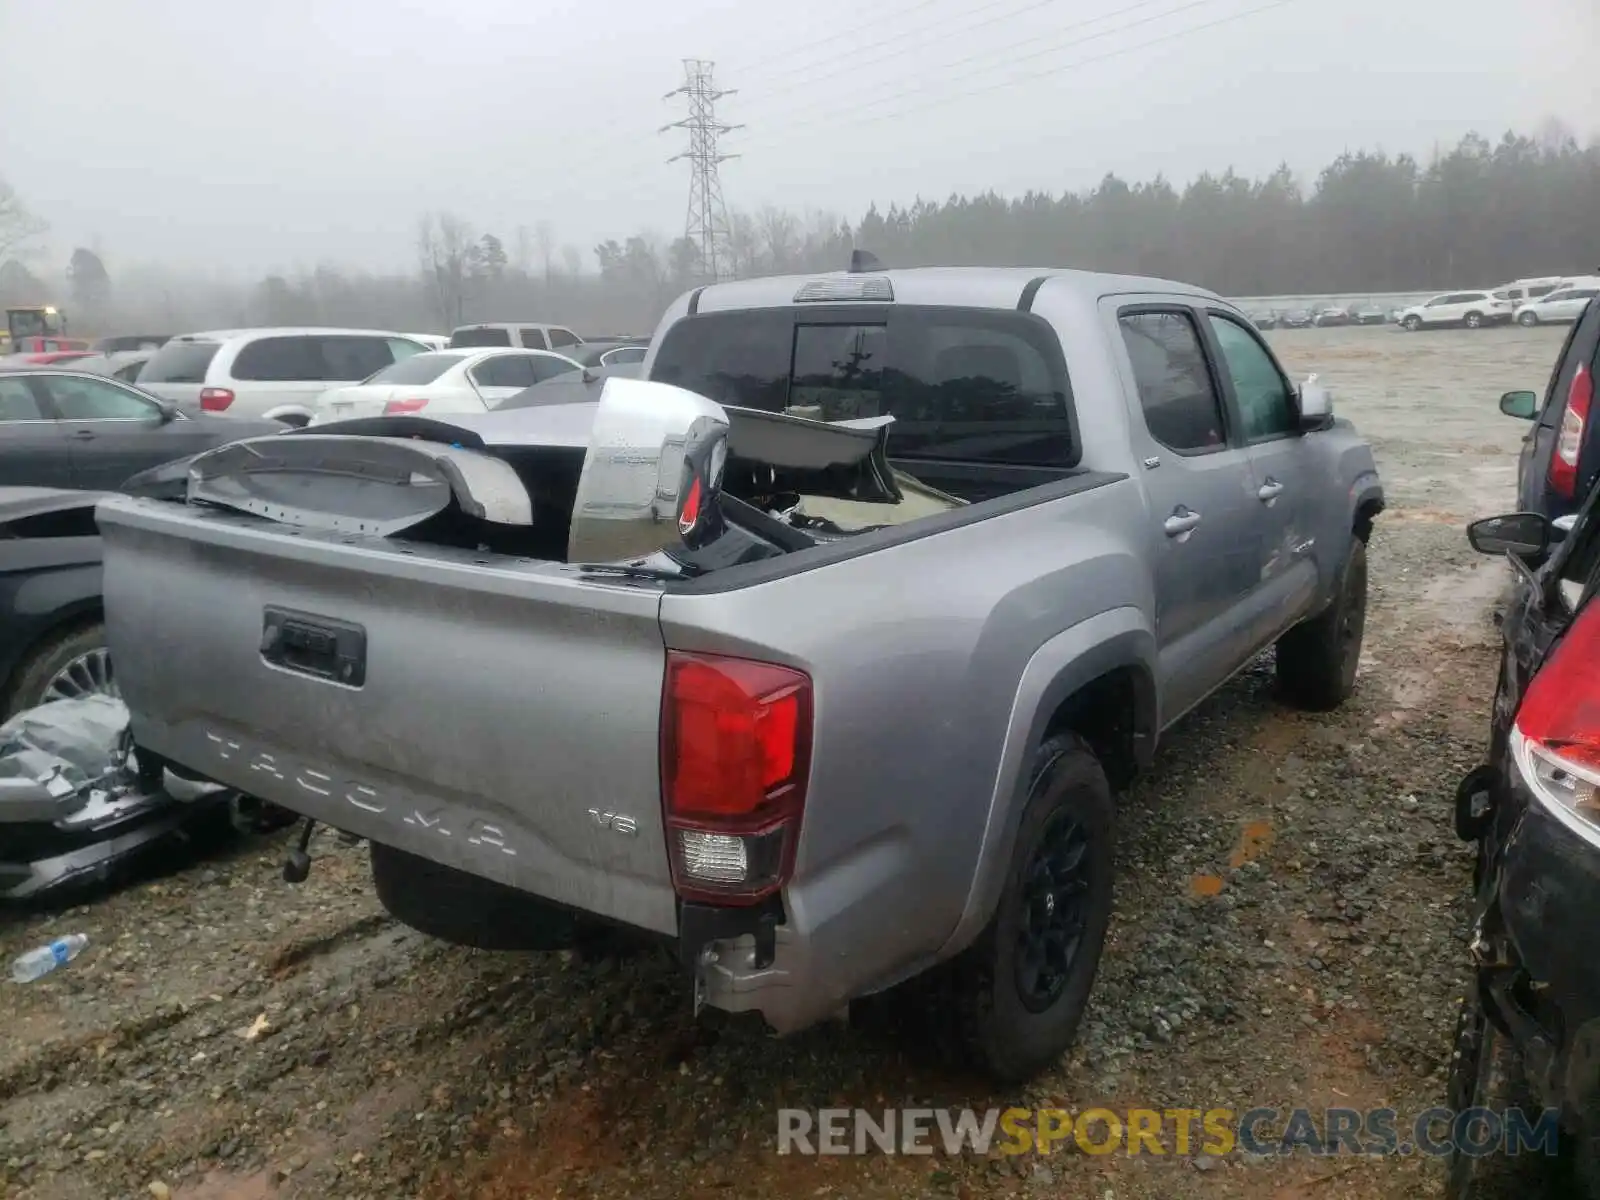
(52, 639)
(617, 353)
(1295, 318)
(1526, 1030)
(1560, 456)
(73, 429)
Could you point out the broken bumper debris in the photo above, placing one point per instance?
(73, 808)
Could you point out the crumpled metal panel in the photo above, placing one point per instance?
(70, 748)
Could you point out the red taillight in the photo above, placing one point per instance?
(395, 407)
(215, 399)
(1556, 737)
(1569, 441)
(735, 757)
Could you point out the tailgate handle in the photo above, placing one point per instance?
(321, 647)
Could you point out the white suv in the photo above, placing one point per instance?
(272, 373)
(1472, 309)
(1563, 305)
(527, 335)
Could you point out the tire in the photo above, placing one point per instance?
(466, 910)
(1474, 320)
(83, 645)
(1318, 658)
(1527, 319)
(1412, 323)
(1013, 1021)
(1486, 1072)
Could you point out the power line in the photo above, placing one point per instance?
(856, 64)
(789, 52)
(841, 118)
(707, 222)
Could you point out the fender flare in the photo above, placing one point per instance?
(1366, 495)
(1074, 658)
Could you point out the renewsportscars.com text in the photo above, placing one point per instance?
(1176, 1131)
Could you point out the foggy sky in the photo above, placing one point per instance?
(240, 137)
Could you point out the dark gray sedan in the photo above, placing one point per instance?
(72, 429)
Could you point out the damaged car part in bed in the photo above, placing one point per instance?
(829, 703)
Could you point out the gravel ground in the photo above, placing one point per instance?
(1289, 932)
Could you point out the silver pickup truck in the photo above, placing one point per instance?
(820, 649)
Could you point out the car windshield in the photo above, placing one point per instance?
(416, 370)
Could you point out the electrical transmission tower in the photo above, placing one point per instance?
(707, 224)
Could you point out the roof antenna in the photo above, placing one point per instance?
(862, 261)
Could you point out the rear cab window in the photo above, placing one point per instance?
(180, 362)
(984, 386)
(474, 337)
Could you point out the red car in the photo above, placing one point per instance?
(50, 357)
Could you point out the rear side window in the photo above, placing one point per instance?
(350, 358)
(472, 338)
(417, 370)
(279, 360)
(179, 362)
(506, 370)
(972, 385)
(302, 358)
(1181, 407)
(534, 339)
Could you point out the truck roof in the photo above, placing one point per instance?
(967, 287)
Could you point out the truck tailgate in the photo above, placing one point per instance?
(492, 715)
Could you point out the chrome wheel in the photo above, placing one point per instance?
(87, 675)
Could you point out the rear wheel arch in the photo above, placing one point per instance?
(290, 415)
(1095, 681)
(1367, 511)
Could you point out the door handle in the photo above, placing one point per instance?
(1181, 523)
(82, 435)
(1269, 491)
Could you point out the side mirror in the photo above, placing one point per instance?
(1522, 405)
(1315, 403)
(168, 410)
(1523, 534)
(652, 475)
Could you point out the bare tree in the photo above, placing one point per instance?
(572, 260)
(544, 237)
(445, 246)
(779, 235)
(19, 227)
(522, 250)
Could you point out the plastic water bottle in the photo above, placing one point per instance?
(42, 961)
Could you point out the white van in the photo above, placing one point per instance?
(273, 373)
(528, 335)
(1520, 291)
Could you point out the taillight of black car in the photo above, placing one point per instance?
(1555, 740)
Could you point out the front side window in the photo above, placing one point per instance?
(534, 339)
(1259, 387)
(1181, 407)
(563, 337)
(627, 354)
(403, 348)
(96, 400)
